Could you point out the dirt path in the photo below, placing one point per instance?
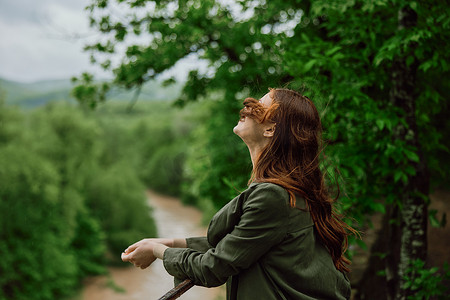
(173, 220)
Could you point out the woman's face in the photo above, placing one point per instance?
(252, 132)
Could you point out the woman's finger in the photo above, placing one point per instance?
(131, 248)
(123, 256)
(127, 257)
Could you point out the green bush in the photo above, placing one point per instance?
(117, 199)
(67, 201)
(426, 283)
(37, 261)
(89, 245)
(161, 139)
(218, 164)
(163, 172)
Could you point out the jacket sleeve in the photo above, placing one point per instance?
(262, 225)
(198, 243)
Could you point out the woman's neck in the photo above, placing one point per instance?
(255, 151)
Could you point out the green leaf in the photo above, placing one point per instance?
(333, 50)
(378, 59)
(405, 178)
(434, 220)
(379, 207)
(308, 65)
(380, 124)
(409, 60)
(398, 175)
(426, 65)
(432, 217)
(410, 170)
(412, 156)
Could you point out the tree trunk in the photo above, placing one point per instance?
(407, 234)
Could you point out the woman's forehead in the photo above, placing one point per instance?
(266, 100)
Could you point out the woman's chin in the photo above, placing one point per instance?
(236, 129)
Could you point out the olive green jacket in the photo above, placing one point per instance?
(263, 249)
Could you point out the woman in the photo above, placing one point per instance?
(280, 238)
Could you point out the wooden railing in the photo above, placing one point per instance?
(178, 290)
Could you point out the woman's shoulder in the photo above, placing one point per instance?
(273, 190)
(269, 190)
(268, 186)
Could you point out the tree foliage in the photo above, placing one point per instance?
(63, 211)
(387, 138)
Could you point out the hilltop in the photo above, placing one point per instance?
(30, 95)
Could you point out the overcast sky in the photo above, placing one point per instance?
(43, 39)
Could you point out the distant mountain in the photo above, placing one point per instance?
(30, 95)
(152, 90)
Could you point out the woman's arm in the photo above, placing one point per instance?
(263, 224)
(196, 243)
(143, 253)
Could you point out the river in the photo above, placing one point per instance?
(173, 219)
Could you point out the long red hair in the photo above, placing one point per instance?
(291, 160)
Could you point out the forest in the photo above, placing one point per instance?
(73, 175)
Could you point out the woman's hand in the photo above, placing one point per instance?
(143, 253)
(140, 254)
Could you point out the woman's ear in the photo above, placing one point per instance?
(269, 130)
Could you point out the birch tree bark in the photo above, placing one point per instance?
(407, 236)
